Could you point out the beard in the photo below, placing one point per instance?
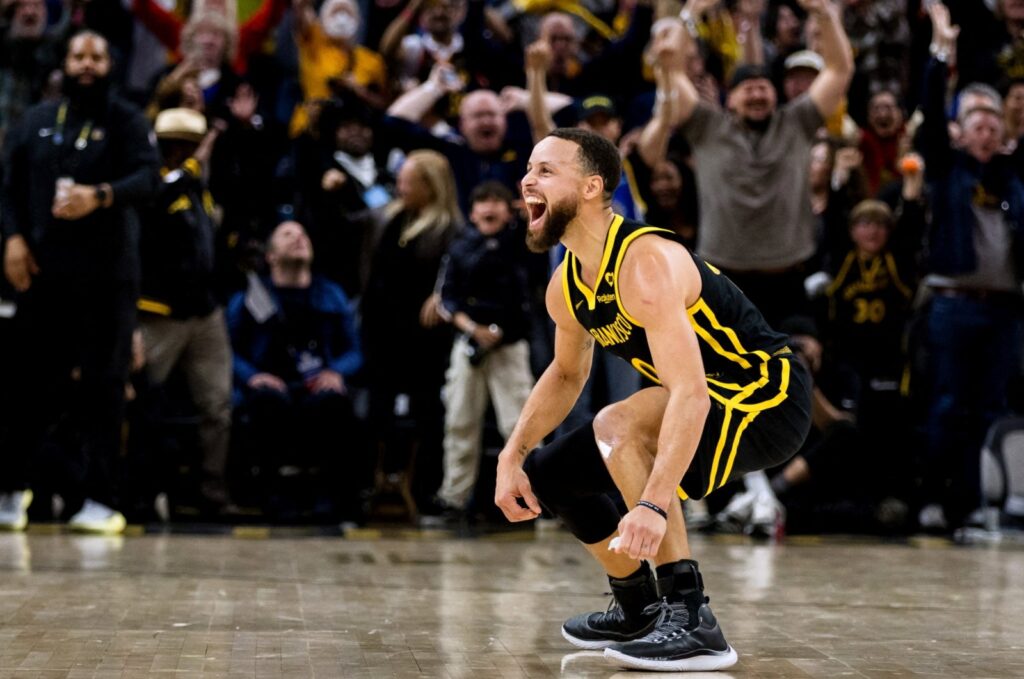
(91, 98)
(558, 217)
(756, 125)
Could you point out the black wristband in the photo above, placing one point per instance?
(654, 508)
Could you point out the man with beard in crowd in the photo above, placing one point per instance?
(77, 169)
(752, 164)
(730, 398)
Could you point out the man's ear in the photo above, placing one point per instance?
(593, 188)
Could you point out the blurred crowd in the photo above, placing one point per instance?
(266, 257)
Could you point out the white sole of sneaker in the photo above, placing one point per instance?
(707, 662)
(584, 644)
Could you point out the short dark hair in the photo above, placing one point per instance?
(491, 190)
(596, 155)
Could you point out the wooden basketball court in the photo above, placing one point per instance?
(267, 604)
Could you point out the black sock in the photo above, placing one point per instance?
(643, 570)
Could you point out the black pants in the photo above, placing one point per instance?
(571, 480)
(72, 340)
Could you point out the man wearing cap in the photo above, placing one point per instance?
(181, 322)
(801, 69)
(76, 170)
(752, 162)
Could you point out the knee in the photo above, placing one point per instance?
(614, 427)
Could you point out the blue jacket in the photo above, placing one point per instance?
(253, 342)
(953, 177)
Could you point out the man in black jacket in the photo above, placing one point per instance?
(76, 170)
(182, 324)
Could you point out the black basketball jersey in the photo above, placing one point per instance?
(868, 309)
(736, 344)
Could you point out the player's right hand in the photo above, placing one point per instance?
(511, 484)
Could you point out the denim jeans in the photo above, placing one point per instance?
(975, 352)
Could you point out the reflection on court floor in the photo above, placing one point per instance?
(252, 604)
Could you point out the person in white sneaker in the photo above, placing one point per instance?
(14, 509)
(75, 172)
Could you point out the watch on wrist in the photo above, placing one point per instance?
(102, 193)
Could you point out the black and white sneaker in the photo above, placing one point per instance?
(629, 615)
(676, 645)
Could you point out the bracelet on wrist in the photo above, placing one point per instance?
(654, 508)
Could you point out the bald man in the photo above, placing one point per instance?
(490, 147)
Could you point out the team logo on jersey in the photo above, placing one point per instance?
(609, 278)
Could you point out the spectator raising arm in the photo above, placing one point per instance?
(829, 87)
(668, 38)
(305, 18)
(933, 136)
(538, 58)
(668, 69)
(391, 41)
(415, 103)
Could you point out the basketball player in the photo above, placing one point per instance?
(730, 399)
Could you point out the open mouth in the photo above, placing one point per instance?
(537, 208)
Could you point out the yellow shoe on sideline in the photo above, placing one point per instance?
(14, 509)
(98, 518)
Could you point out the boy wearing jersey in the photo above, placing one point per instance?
(731, 398)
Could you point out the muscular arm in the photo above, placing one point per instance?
(656, 282)
(549, 403)
(558, 388)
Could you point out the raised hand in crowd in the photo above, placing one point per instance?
(696, 9)
(912, 168)
(445, 78)
(944, 33)
(19, 264)
(847, 159)
(538, 56)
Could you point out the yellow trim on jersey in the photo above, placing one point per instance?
(700, 306)
(765, 405)
(840, 278)
(747, 419)
(618, 263)
(722, 435)
(153, 307)
(565, 283)
(733, 337)
(894, 274)
(609, 244)
(724, 385)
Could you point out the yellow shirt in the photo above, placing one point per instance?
(321, 61)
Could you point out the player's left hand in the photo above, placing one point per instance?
(640, 533)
